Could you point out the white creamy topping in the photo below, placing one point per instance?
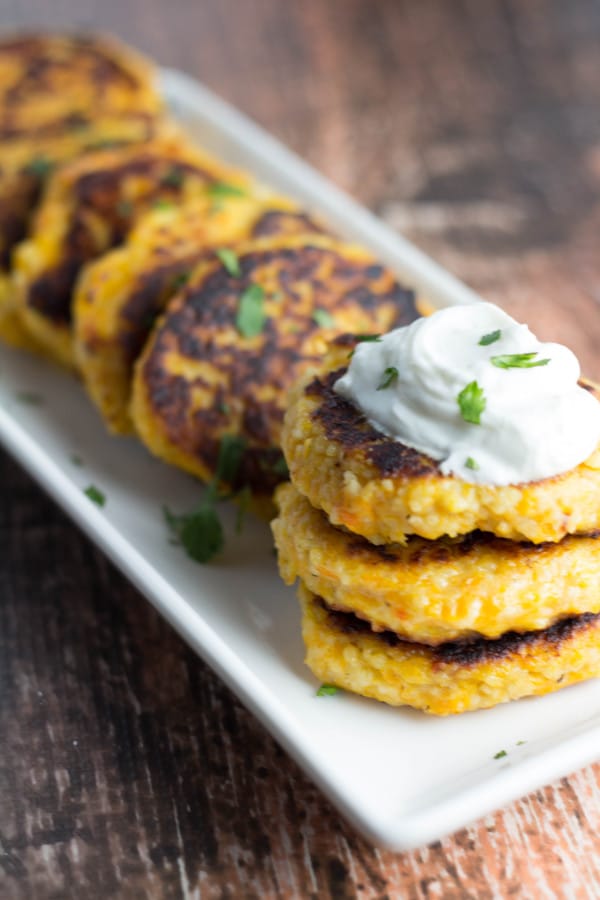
(536, 422)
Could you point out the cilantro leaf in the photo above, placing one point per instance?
(231, 451)
(500, 754)
(200, 533)
(173, 178)
(230, 261)
(39, 166)
(95, 495)
(251, 316)
(179, 280)
(30, 398)
(280, 467)
(223, 189)
(327, 690)
(518, 361)
(323, 318)
(161, 203)
(366, 338)
(490, 338)
(124, 208)
(470, 463)
(390, 375)
(471, 402)
(244, 498)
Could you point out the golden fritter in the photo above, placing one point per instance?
(90, 206)
(120, 296)
(224, 356)
(50, 82)
(383, 490)
(454, 677)
(436, 591)
(59, 96)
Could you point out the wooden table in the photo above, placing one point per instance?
(127, 769)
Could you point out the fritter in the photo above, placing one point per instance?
(90, 206)
(455, 677)
(228, 349)
(119, 297)
(383, 490)
(59, 96)
(436, 591)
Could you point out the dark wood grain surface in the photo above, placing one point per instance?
(126, 768)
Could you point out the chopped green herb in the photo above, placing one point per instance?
(230, 261)
(518, 361)
(95, 495)
(366, 338)
(231, 451)
(173, 178)
(30, 398)
(500, 754)
(323, 318)
(124, 208)
(471, 402)
(490, 338)
(251, 317)
(40, 166)
(280, 467)
(520, 743)
(390, 375)
(327, 690)
(200, 533)
(470, 463)
(223, 189)
(178, 282)
(244, 498)
(161, 203)
(76, 460)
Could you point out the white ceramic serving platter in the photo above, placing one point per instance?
(403, 779)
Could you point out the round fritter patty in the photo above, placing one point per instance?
(455, 677)
(49, 82)
(383, 490)
(59, 96)
(119, 297)
(436, 591)
(224, 356)
(90, 205)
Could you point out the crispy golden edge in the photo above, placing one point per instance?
(436, 591)
(385, 507)
(454, 678)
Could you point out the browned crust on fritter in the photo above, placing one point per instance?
(472, 652)
(18, 195)
(278, 222)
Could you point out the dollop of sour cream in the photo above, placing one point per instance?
(475, 390)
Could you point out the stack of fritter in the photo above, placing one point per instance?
(423, 589)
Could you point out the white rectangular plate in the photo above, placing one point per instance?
(401, 777)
